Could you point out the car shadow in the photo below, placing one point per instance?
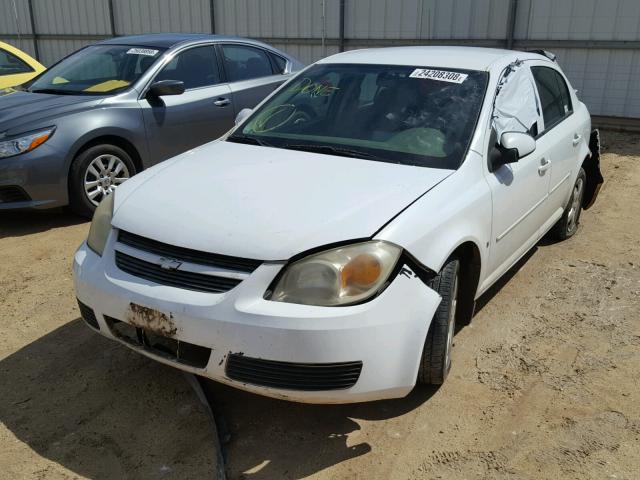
(506, 278)
(18, 223)
(102, 411)
(277, 439)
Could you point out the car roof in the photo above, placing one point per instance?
(468, 58)
(169, 40)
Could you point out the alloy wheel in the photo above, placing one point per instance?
(103, 175)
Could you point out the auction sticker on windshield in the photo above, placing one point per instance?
(142, 51)
(441, 75)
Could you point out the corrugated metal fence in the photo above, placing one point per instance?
(597, 42)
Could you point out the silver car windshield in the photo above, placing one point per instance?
(97, 70)
(412, 115)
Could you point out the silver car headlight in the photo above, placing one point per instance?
(340, 276)
(101, 225)
(25, 143)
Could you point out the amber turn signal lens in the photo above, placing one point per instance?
(363, 270)
(38, 141)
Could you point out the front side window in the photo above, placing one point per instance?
(244, 63)
(97, 70)
(196, 67)
(402, 114)
(554, 95)
(12, 65)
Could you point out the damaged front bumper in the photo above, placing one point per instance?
(303, 353)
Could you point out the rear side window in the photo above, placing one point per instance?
(196, 67)
(554, 95)
(244, 63)
(279, 62)
(12, 65)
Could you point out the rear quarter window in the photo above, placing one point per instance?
(12, 65)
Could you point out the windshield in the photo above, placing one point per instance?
(402, 114)
(97, 70)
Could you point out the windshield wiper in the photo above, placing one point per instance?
(54, 91)
(329, 150)
(248, 140)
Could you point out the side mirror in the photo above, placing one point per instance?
(242, 114)
(512, 147)
(522, 143)
(166, 87)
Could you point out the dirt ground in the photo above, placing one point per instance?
(545, 382)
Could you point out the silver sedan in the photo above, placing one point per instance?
(110, 110)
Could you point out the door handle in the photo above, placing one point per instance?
(545, 164)
(576, 139)
(222, 102)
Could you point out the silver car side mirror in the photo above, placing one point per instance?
(522, 143)
(242, 115)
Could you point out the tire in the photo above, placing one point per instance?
(85, 171)
(436, 354)
(567, 226)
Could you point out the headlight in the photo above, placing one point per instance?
(340, 276)
(26, 143)
(101, 225)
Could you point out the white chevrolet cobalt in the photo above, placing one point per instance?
(325, 249)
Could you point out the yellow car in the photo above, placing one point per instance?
(16, 67)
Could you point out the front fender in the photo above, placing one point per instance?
(456, 211)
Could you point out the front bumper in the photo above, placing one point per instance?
(40, 174)
(386, 334)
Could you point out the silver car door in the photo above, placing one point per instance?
(251, 73)
(202, 113)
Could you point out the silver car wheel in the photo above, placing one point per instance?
(103, 175)
(451, 323)
(576, 204)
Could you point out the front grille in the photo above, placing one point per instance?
(169, 348)
(88, 315)
(293, 376)
(246, 265)
(174, 278)
(12, 194)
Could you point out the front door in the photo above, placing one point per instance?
(204, 112)
(519, 194)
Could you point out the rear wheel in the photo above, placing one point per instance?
(95, 173)
(436, 355)
(567, 226)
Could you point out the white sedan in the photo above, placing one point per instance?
(326, 248)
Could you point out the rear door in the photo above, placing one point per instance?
(204, 112)
(252, 72)
(560, 135)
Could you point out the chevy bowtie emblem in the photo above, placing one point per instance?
(169, 264)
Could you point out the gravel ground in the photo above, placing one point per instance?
(544, 382)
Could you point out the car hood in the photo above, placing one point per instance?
(266, 203)
(22, 111)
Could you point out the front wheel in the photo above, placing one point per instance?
(436, 354)
(95, 173)
(567, 226)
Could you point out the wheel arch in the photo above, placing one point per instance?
(468, 253)
(111, 139)
(470, 257)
